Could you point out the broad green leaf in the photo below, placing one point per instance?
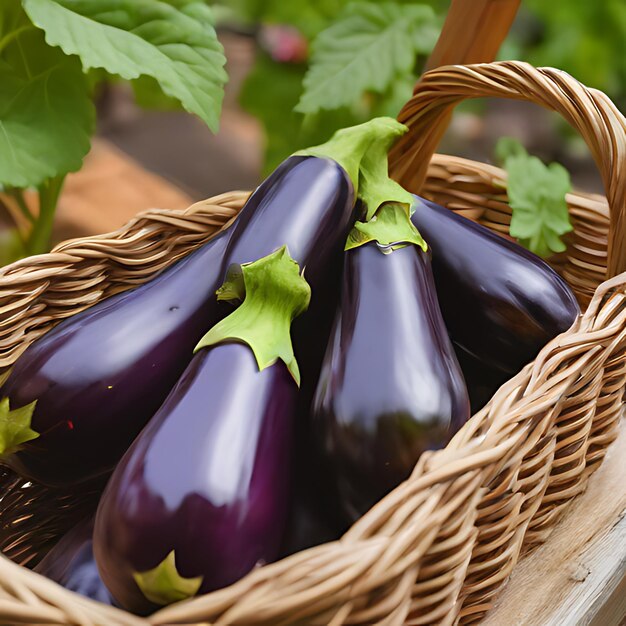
(164, 585)
(274, 294)
(400, 92)
(46, 115)
(15, 426)
(508, 147)
(174, 42)
(537, 197)
(366, 49)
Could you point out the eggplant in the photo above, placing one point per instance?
(310, 210)
(207, 480)
(71, 564)
(391, 386)
(501, 303)
(202, 495)
(100, 375)
(311, 521)
(481, 380)
(96, 379)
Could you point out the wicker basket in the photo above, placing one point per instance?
(441, 545)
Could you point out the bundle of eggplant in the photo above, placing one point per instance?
(267, 390)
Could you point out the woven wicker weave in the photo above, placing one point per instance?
(438, 548)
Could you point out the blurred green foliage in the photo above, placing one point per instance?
(289, 98)
(586, 39)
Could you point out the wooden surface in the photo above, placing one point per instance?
(108, 191)
(577, 577)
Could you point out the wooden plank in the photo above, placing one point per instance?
(578, 577)
(108, 191)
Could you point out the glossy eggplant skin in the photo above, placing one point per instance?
(481, 380)
(100, 375)
(310, 207)
(501, 303)
(390, 386)
(208, 478)
(71, 564)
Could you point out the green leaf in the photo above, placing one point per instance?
(391, 227)
(275, 294)
(172, 41)
(366, 49)
(46, 115)
(15, 426)
(164, 585)
(508, 147)
(391, 102)
(537, 198)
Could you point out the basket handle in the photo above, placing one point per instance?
(589, 111)
(473, 31)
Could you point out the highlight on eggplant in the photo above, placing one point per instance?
(202, 495)
(99, 376)
(501, 303)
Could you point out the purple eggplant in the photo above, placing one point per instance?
(311, 210)
(201, 497)
(71, 564)
(100, 375)
(391, 386)
(208, 479)
(97, 378)
(481, 380)
(500, 302)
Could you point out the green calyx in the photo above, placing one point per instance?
(274, 293)
(391, 228)
(164, 585)
(15, 426)
(375, 186)
(350, 146)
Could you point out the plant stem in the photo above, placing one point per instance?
(18, 196)
(39, 240)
